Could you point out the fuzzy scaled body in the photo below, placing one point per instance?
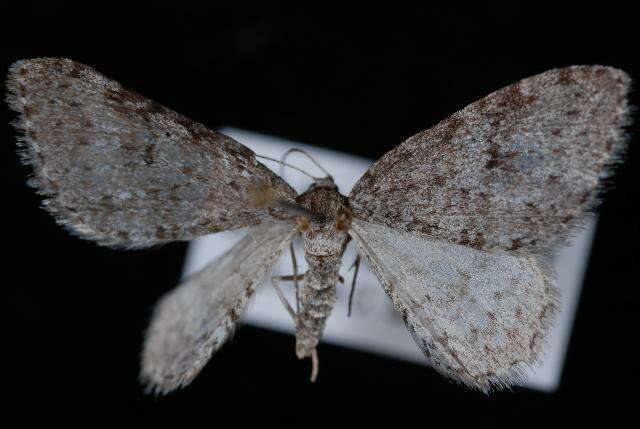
(324, 238)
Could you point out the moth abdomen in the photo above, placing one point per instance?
(317, 298)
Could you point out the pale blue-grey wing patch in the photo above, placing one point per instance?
(194, 320)
(123, 170)
(512, 171)
(480, 317)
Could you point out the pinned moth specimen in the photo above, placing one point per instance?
(455, 222)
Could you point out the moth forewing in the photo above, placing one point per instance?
(194, 320)
(122, 170)
(513, 171)
(480, 317)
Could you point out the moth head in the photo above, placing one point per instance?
(324, 182)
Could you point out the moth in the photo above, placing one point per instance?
(456, 222)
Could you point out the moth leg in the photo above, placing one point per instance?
(356, 265)
(290, 278)
(283, 299)
(295, 276)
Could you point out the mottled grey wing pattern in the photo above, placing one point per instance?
(480, 317)
(512, 171)
(123, 170)
(194, 320)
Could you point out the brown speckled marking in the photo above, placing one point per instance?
(585, 197)
(160, 232)
(149, 154)
(391, 286)
(513, 334)
(28, 111)
(497, 159)
(518, 313)
(533, 344)
(516, 243)
(565, 220)
(479, 242)
(545, 311)
(75, 70)
(565, 77)
(474, 333)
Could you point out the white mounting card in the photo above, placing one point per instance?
(374, 325)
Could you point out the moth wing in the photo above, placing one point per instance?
(123, 170)
(194, 320)
(512, 171)
(480, 317)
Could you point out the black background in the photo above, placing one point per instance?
(359, 81)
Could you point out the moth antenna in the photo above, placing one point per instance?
(292, 150)
(287, 165)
